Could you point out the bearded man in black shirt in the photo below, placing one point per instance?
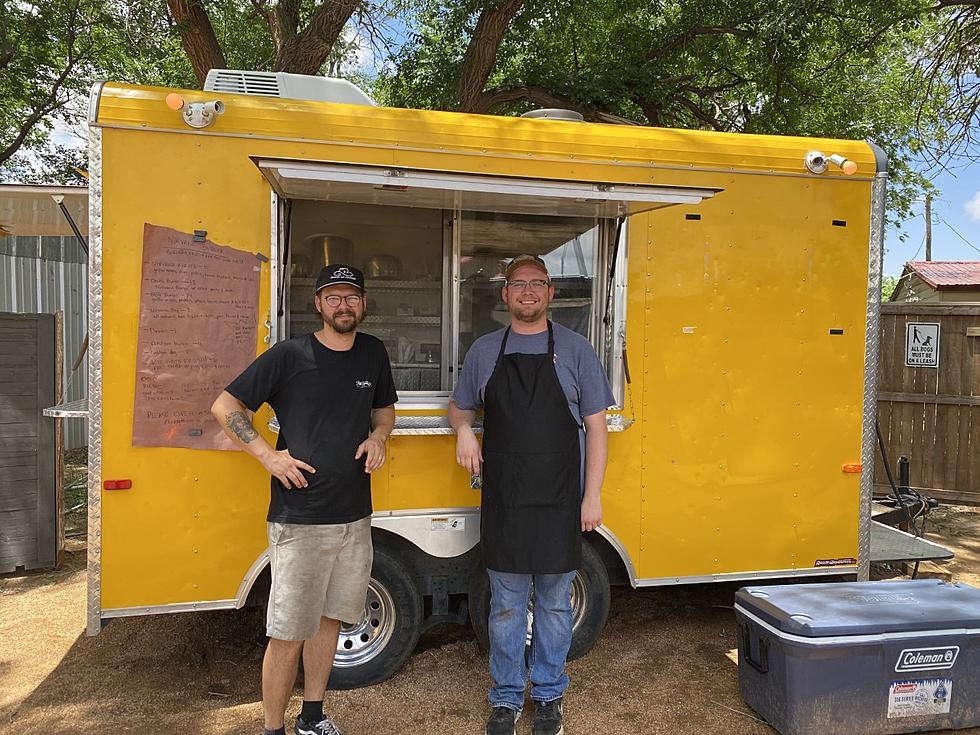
(334, 397)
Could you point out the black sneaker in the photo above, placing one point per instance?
(503, 721)
(326, 726)
(547, 718)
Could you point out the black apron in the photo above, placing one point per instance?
(531, 512)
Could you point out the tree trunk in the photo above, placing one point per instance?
(306, 52)
(481, 54)
(197, 37)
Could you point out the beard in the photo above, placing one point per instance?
(529, 312)
(343, 322)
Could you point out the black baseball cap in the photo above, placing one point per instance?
(339, 275)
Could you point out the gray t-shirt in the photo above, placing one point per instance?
(580, 373)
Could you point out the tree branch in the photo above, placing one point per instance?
(266, 12)
(197, 37)
(306, 52)
(284, 24)
(50, 102)
(701, 115)
(38, 114)
(690, 34)
(6, 48)
(492, 98)
(481, 53)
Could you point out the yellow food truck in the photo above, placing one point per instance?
(729, 284)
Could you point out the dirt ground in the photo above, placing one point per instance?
(663, 665)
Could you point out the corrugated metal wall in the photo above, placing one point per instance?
(42, 275)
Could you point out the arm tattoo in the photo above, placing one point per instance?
(239, 424)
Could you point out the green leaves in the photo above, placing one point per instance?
(824, 68)
(902, 73)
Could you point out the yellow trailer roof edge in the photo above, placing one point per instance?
(268, 118)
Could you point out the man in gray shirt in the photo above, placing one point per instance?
(543, 393)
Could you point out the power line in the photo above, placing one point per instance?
(920, 247)
(956, 232)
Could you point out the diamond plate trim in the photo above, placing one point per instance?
(871, 357)
(95, 382)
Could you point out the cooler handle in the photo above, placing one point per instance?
(762, 665)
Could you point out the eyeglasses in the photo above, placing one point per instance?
(334, 300)
(535, 284)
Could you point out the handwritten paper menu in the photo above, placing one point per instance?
(197, 330)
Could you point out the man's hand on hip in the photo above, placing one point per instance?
(374, 448)
(468, 453)
(282, 465)
(591, 513)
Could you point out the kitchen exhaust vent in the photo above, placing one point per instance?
(554, 113)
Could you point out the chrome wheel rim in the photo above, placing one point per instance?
(580, 599)
(364, 641)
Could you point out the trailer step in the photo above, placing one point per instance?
(890, 544)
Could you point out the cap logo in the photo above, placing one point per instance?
(343, 273)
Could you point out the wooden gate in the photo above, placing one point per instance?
(932, 414)
(30, 461)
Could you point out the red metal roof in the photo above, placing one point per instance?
(942, 274)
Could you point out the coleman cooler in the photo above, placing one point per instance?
(860, 658)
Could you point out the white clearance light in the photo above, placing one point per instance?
(816, 162)
(195, 114)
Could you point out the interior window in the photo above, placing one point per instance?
(488, 240)
(400, 250)
(434, 262)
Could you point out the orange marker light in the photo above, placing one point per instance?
(849, 168)
(852, 468)
(174, 101)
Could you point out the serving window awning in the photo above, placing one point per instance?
(401, 187)
(33, 210)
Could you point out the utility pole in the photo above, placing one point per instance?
(928, 227)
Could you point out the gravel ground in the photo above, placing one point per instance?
(664, 665)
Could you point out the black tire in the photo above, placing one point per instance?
(374, 649)
(592, 585)
(589, 610)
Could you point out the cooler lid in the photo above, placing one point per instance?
(863, 608)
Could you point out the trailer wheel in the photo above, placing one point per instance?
(590, 603)
(371, 650)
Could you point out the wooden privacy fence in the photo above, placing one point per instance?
(931, 414)
(31, 531)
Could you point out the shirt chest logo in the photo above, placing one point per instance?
(362, 383)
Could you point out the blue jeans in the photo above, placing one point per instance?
(551, 636)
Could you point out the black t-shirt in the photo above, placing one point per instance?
(323, 401)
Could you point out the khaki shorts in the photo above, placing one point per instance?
(317, 571)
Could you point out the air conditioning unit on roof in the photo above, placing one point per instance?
(286, 86)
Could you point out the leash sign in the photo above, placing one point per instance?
(922, 344)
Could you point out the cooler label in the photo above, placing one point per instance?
(920, 697)
(921, 659)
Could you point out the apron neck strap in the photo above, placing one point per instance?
(503, 344)
(551, 341)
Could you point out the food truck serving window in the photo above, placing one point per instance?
(434, 246)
